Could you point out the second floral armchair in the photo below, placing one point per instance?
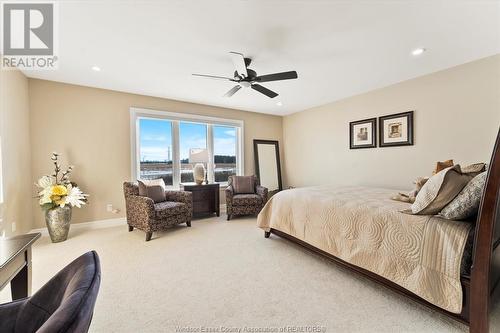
(244, 196)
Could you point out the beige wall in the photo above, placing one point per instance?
(18, 191)
(91, 128)
(457, 115)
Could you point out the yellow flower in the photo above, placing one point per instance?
(59, 190)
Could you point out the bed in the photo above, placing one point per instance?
(450, 266)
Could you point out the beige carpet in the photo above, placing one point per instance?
(225, 275)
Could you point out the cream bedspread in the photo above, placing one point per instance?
(364, 227)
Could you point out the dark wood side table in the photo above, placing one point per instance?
(15, 264)
(205, 198)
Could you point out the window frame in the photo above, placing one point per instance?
(176, 118)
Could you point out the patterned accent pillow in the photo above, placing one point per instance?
(243, 184)
(466, 204)
(439, 190)
(154, 192)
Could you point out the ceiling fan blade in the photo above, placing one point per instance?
(277, 76)
(264, 90)
(239, 63)
(214, 77)
(232, 91)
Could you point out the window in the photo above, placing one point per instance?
(191, 135)
(224, 152)
(155, 149)
(162, 141)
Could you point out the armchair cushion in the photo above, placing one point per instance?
(247, 200)
(170, 208)
(179, 196)
(243, 184)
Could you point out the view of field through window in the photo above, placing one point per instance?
(156, 149)
(224, 152)
(191, 136)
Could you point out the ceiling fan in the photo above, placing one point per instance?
(246, 77)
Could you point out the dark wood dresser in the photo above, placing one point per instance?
(15, 264)
(205, 198)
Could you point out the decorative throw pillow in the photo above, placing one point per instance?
(442, 165)
(151, 182)
(156, 191)
(439, 190)
(466, 204)
(474, 169)
(244, 184)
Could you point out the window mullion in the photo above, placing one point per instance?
(176, 157)
(210, 148)
(239, 151)
(137, 172)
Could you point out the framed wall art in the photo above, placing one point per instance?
(363, 133)
(396, 129)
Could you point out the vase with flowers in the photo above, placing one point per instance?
(57, 196)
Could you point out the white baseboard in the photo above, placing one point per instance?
(98, 224)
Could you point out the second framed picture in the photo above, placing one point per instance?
(363, 133)
(396, 129)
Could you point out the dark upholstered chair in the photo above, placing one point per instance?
(64, 304)
(249, 203)
(145, 215)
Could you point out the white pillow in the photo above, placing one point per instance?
(154, 182)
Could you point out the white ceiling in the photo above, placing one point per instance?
(338, 48)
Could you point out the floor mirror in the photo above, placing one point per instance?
(267, 164)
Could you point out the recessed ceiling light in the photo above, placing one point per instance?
(279, 103)
(418, 51)
(96, 69)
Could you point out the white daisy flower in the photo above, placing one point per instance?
(75, 197)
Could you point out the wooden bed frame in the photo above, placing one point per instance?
(477, 288)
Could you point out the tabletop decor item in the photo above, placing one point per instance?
(200, 157)
(57, 197)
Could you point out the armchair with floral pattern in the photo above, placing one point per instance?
(146, 215)
(244, 203)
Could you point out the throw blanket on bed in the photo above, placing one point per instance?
(364, 227)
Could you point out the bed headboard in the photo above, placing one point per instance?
(485, 273)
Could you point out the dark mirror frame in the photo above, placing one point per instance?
(256, 143)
